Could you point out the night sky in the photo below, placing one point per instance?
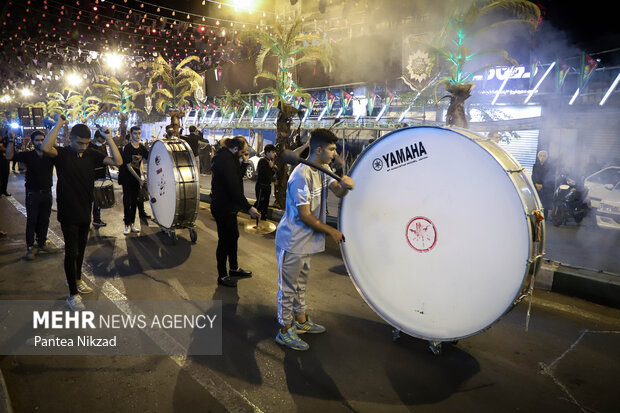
(592, 26)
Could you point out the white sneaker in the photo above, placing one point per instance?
(82, 287)
(126, 232)
(75, 303)
(134, 228)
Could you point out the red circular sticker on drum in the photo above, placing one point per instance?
(421, 234)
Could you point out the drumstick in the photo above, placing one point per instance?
(289, 157)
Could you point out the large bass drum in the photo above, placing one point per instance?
(441, 231)
(173, 184)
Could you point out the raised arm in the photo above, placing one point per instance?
(116, 159)
(10, 149)
(49, 142)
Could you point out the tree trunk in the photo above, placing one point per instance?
(65, 130)
(283, 132)
(455, 115)
(122, 127)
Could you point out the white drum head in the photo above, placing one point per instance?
(161, 184)
(437, 239)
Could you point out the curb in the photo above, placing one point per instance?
(596, 286)
(5, 400)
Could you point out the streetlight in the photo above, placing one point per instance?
(242, 4)
(74, 79)
(5, 99)
(114, 60)
(26, 92)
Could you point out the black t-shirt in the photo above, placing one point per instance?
(264, 172)
(192, 140)
(131, 156)
(100, 172)
(39, 169)
(76, 180)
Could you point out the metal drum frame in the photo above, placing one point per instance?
(187, 188)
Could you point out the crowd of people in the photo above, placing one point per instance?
(82, 161)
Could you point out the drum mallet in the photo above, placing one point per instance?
(289, 157)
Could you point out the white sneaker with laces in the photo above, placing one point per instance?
(75, 303)
(134, 228)
(126, 232)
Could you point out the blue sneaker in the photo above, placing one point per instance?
(291, 340)
(309, 327)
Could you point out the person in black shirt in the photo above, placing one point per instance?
(226, 200)
(75, 167)
(39, 171)
(98, 144)
(4, 165)
(130, 177)
(265, 170)
(192, 139)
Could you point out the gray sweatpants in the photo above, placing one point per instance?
(293, 271)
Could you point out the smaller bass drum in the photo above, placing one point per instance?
(173, 184)
(104, 193)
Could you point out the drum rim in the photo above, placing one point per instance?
(175, 171)
(530, 262)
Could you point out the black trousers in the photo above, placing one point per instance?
(38, 211)
(4, 175)
(96, 212)
(76, 237)
(263, 192)
(130, 202)
(227, 237)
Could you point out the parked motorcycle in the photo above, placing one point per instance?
(568, 202)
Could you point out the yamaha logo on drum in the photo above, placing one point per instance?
(377, 164)
(401, 157)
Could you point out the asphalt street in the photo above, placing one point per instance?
(566, 362)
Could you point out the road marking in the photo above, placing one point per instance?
(220, 389)
(547, 369)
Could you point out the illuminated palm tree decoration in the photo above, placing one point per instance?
(119, 97)
(84, 107)
(460, 29)
(177, 86)
(60, 103)
(227, 103)
(292, 48)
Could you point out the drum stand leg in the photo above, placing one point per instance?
(435, 347)
(395, 334)
(193, 235)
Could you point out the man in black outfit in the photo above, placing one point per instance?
(98, 144)
(4, 165)
(226, 200)
(265, 170)
(543, 177)
(193, 140)
(38, 192)
(75, 167)
(130, 177)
